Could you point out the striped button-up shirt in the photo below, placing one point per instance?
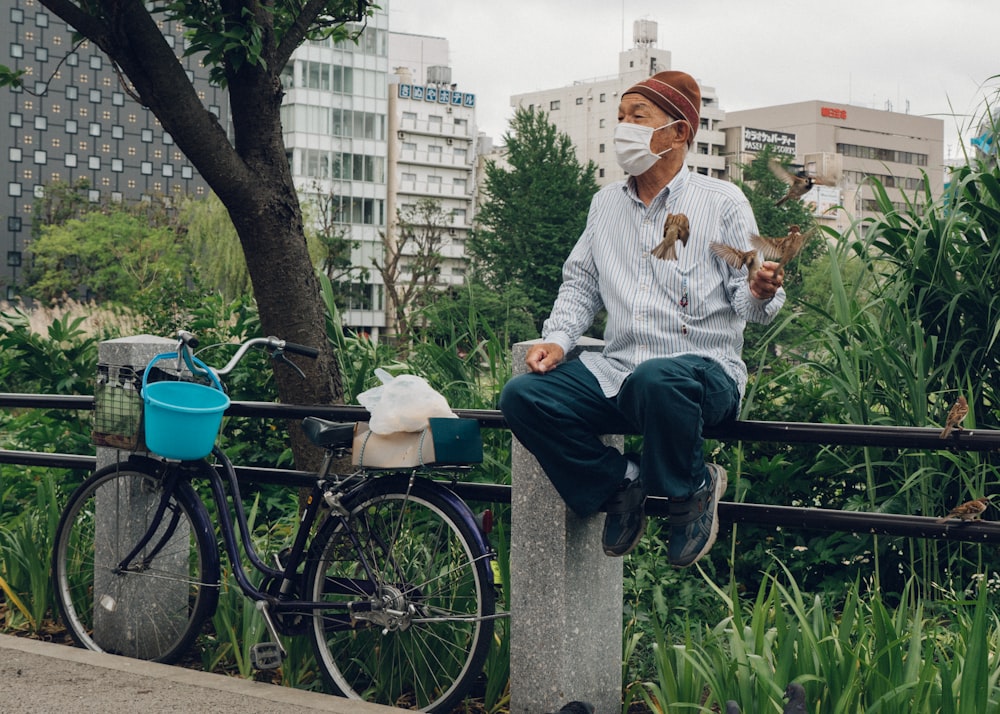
(696, 304)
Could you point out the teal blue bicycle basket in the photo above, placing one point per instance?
(182, 418)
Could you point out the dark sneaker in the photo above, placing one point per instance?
(626, 519)
(694, 523)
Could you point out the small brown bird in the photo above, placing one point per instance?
(736, 258)
(795, 693)
(781, 249)
(799, 183)
(675, 228)
(969, 511)
(955, 417)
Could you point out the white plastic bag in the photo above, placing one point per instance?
(402, 403)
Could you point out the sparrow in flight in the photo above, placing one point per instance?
(676, 228)
(955, 417)
(799, 183)
(736, 258)
(781, 249)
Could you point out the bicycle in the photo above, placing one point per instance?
(395, 587)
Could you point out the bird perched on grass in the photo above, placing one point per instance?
(736, 258)
(955, 416)
(969, 511)
(781, 249)
(799, 183)
(795, 693)
(675, 228)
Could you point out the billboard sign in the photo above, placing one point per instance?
(756, 139)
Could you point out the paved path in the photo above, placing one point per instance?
(42, 677)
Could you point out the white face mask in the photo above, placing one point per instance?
(632, 146)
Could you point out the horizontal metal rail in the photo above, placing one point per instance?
(897, 437)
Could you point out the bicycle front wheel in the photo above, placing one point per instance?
(411, 596)
(153, 606)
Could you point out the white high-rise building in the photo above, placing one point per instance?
(335, 122)
(587, 110)
(432, 143)
(371, 128)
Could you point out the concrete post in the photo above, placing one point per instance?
(566, 594)
(133, 610)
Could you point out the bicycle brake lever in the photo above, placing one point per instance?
(279, 354)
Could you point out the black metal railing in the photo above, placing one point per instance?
(894, 437)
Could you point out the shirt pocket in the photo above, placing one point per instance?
(678, 285)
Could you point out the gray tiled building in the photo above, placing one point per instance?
(74, 120)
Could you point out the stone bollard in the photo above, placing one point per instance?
(566, 594)
(128, 616)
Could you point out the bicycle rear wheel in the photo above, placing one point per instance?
(413, 628)
(154, 607)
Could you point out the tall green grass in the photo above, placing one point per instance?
(867, 656)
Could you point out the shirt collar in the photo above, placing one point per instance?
(674, 188)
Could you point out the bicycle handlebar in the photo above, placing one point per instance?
(186, 342)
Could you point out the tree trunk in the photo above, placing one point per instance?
(251, 176)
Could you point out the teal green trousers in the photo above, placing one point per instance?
(560, 416)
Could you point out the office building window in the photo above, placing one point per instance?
(554, 105)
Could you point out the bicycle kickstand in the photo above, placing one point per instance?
(267, 655)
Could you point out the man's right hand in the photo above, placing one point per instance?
(541, 358)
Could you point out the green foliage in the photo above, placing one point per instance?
(59, 203)
(535, 210)
(866, 658)
(215, 247)
(11, 78)
(25, 556)
(466, 316)
(108, 256)
(61, 361)
(232, 38)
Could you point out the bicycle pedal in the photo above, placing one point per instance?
(265, 655)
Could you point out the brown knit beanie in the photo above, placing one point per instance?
(676, 93)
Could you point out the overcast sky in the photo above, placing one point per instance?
(936, 57)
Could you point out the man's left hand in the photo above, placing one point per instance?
(766, 281)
